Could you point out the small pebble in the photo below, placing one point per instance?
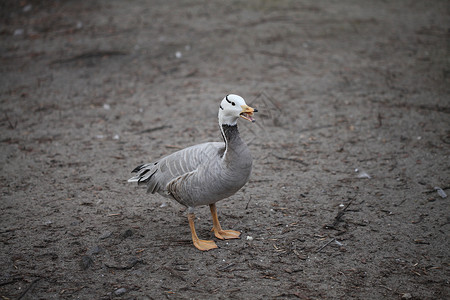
(19, 31)
(364, 175)
(127, 233)
(94, 250)
(27, 8)
(440, 192)
(120, 291)
(105, 235)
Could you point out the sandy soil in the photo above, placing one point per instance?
(352, 137)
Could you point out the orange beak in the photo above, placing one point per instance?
(247, 113)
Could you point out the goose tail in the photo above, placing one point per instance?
(144, 173)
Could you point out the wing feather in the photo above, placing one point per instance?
(175, 167)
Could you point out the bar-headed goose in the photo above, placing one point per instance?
(206, 173)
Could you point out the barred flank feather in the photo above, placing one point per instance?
(200, 174)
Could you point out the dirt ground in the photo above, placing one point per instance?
(350, 142)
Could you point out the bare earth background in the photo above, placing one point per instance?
(352, 137)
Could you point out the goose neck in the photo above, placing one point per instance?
(231, 136)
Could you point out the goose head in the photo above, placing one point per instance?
(232, 107)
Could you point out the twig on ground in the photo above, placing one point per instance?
(11, 125)
(291, 159)
(94, 54)
(173, 147)
(338, 217)
(28, 288)
(322, 247)
(11, 281)
(130, 266)
(172, 244)
(385, 287)
(226, 267)
(155, 128)
(248, 202)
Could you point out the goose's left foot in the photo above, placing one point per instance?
(226, 234)
(218, 231)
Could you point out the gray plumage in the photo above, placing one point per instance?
(202, 174)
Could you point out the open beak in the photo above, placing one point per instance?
(247, 113)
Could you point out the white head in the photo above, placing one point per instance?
(232, 107)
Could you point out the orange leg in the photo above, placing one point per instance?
(218, 231)
(202, 245)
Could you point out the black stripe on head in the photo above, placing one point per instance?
(232, 103)
(221, 107)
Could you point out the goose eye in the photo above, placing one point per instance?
(232, 103)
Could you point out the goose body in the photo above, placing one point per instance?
(205, 173)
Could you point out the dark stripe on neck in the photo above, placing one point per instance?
(230, 132)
